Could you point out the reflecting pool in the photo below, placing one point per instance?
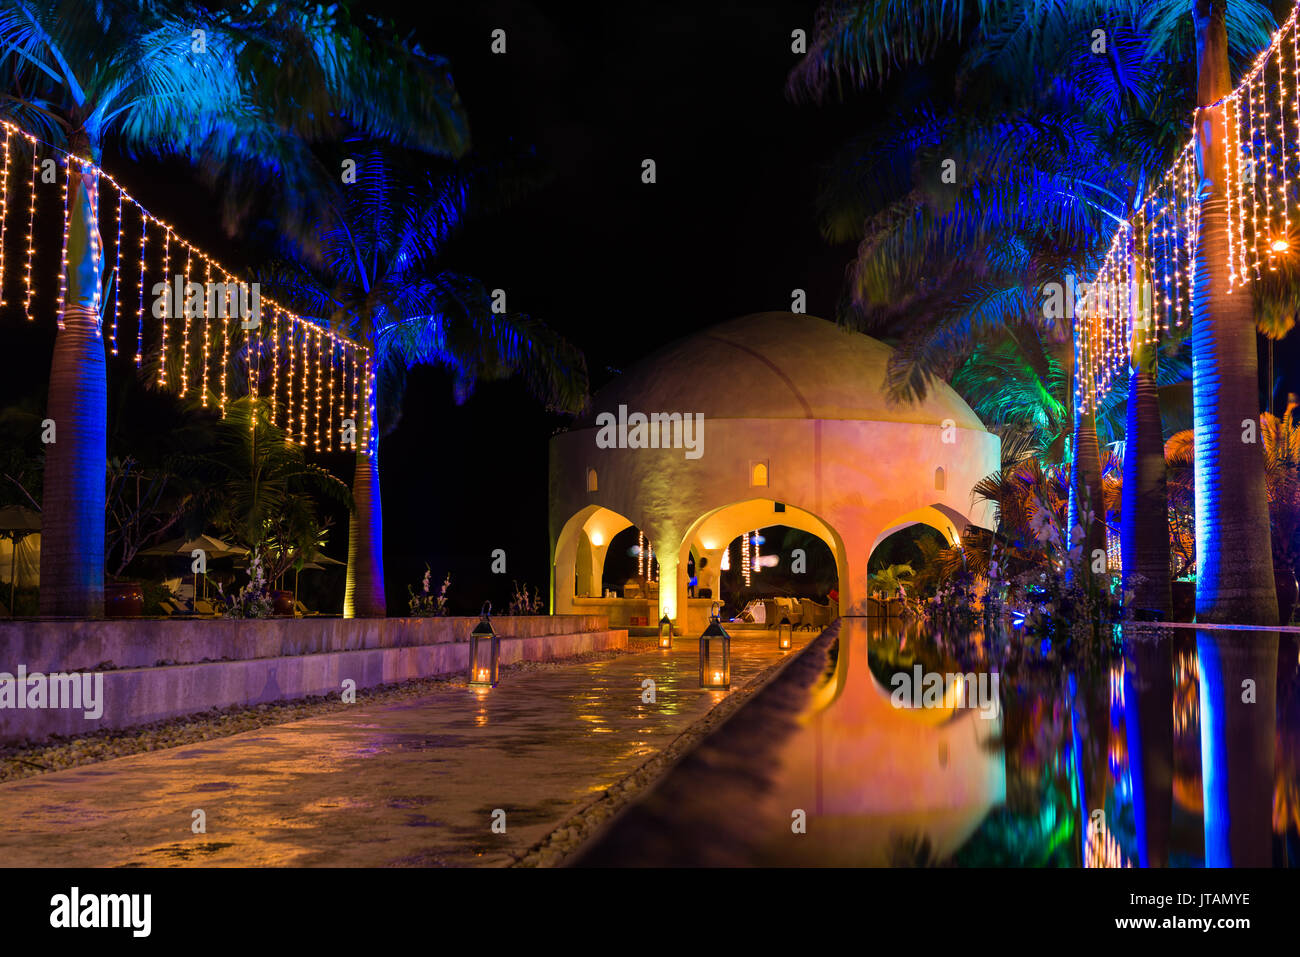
(1173, 747)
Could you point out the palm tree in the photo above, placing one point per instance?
(1234, 581)
(1122, 98)
(374, 274)
(206, 83)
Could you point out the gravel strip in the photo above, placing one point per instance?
(28, 760)
(561, 845)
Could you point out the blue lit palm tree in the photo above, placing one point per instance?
(242, 89)
(1054, 142)
(374, 274)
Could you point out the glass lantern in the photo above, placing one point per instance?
(484, 651)
(665, 634)
(715, 653)
(785, 634)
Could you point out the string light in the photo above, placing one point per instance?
(63, 269)
(186, 312)
(31, 230)
(139, 314)
(167, 306)
(344, 363)
(4, 214)
(275, 361)
(207, 327)
(117, 276)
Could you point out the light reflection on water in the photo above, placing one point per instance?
(1179, 748)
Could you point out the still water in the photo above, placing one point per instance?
(1178, 747)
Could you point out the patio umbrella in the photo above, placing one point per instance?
(315, 562)
(16, 523)
(211, 545)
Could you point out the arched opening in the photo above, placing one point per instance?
(912, 555)
(725, 539)
(592, 483)
(776, 571)
(940, 479)
(758, 475)
(631, 569)
(604, 565)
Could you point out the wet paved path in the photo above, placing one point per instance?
(408, 783)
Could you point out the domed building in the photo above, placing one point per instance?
(769, 419)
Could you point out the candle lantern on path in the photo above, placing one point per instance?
(484, 651)
(785, 634)
(715, 652)
(665, 634)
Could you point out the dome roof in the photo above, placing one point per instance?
(775, 365)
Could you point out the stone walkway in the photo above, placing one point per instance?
(408, 784)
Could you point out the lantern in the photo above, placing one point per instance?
(665, 634)
(715, 653)
(484, 651)
(785, 634)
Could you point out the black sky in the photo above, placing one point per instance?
(620, 267)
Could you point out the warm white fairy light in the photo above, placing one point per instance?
(139, 316)
(187, 312)
(117, 277)
(1279, 241)
(207, 327)
(225, 339)
(288, 385)
(63, 258)
(306, 380)
(31, 230)
(346, 363)
(253, 338)
(167, 305)
(4, 214)
(275, 361)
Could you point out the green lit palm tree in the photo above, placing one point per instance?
(375, 274)
(241, 89)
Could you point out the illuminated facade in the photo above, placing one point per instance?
(781, 419)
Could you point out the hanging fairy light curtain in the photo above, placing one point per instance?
(318, 387)
(1145, 283)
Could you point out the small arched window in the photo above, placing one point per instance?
(591, 481)
(940, 480)
(758, 475)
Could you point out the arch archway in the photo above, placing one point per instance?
(710, 535)
(578, 571)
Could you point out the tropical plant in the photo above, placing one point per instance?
(269, 491)
(892, 581)
(242, 89)
(1067, 141)
(381, 281)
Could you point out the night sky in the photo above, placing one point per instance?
(618, 266)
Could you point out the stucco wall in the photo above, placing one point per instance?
(857, 477)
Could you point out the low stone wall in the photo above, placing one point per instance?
(147, 642)
(306, 657)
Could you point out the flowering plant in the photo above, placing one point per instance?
(524, 604)
(254, 599)
(425, 604)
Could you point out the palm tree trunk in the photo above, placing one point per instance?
(72, 533)
(1144, 505)
(1235, 567)
(1085, 489)
(364, 594)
